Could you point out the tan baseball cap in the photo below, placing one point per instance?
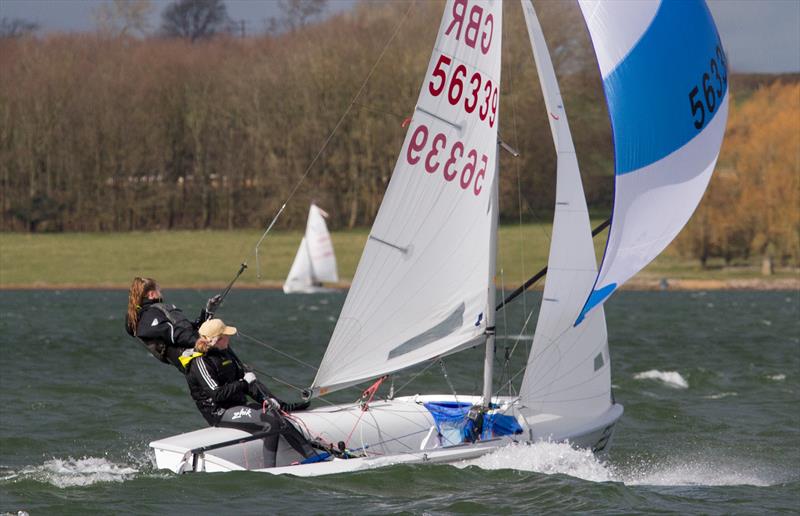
(214, 328)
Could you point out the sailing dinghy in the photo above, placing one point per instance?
(424, 287)
(315, 261)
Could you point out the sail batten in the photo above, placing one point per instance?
(420, 288)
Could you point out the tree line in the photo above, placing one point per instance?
(107, 131)
(752, 205)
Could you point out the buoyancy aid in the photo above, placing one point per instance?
(157, 347)
(188, 356)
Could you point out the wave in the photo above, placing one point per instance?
(720, 395)
(562, 458)
(671, 378)
(777, 377)
(545, 457)
(700, 473)
(74, 472)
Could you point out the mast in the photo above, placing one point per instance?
(488, 360)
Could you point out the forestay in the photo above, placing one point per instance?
(665, 79)
(568, 370)
(420, 289)
(315, 260)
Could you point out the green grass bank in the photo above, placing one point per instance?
(211, 258)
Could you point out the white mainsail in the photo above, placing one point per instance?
(665, 79)
(421, 286)
(568, 370)
(315, 260)
(299, 278)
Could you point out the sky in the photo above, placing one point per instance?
(760, 36)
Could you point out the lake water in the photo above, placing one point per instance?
(710, 383)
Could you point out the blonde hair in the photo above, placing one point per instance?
(202, 344)
(136, 295)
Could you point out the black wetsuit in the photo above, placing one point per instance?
(166, 331)
(216, 383)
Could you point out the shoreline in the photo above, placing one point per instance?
(643, 284)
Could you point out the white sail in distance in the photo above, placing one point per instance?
(315, 261)
(568, 370)
(421, 286)
(665, 79)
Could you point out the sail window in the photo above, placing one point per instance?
(452, 322)
(598, 361)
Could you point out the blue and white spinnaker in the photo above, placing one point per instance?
(665, 79)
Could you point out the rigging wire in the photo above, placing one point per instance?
(379, 111)
(290, 357)
(519, 182)
(330, 136)
(505, 327)
(273, 348)
(431, 364)
(507, 355)
(447, 378)
(521, 332)
(503, 294)
(517, 169)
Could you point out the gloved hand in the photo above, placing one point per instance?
(213, 303)
(273, 404)
(249, 377)
(295, 407)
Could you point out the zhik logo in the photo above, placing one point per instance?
(242, 413)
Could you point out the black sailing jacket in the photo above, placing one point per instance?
(166, 331)
(216, 382)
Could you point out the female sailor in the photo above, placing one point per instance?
(163, 328)
(220, 387)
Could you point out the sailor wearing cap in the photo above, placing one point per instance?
(220, 386)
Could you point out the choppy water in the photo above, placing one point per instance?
(710, 384)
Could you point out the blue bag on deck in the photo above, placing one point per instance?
(455, 427)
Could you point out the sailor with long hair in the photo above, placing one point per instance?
(163, 328)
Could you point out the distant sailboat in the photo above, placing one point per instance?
(315, 261)
(424, 287)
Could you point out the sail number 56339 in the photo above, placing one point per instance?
(476, 92)
(713, 82)
(449, 159)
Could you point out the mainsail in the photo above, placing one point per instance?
(420, 289)
(315, 260)
(568, 370)
(665, 79)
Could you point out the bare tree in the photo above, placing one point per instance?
(297, 13)
(195, 19)
(121, 17)
(16, 27)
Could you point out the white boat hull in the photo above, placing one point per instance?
(399, 431)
